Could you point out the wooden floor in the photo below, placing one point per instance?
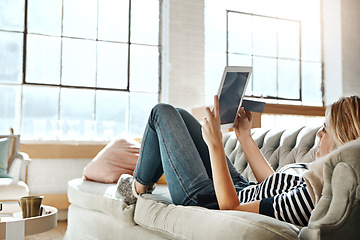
(57, 233)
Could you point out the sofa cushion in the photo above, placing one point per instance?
(182, 222)
(118, 157)
(95, 225)
(100, 197)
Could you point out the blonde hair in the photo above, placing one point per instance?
(344, 120)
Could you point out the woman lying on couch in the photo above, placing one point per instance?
(198, 173)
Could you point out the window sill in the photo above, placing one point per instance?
(287, 109)
(61, 149)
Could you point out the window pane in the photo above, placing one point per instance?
(289, 79)
(36, 119)
(80, 18)
(264, 75)
(76, 107)
(240, 33)
(44, 16)
(140, 107)
(12, 15)
(264, 36)
(78, 62)
(113, 120)
(77, 104)
(10, 108)
(145, 21)
(43, 59)
(114, 20)
(242, 60)
(144, 68)
(288, 39)
(11, 57)
(271, 41)
(311, 41)
(311, 83)
(112, 65)
(75, 43)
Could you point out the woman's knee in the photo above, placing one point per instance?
(162, 108)
(182, 111)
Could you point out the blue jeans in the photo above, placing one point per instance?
(173, 144)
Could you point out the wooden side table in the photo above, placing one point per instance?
(14, 225)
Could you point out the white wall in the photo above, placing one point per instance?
(350, 19)
(331, 50)
(341, 48)
(183, 53)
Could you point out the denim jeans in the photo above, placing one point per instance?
(173, 144)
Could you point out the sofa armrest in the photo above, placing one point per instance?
(19, 166)
(337, 214)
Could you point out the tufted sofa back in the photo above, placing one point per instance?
(279, 146)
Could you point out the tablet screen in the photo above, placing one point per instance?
(231, 94)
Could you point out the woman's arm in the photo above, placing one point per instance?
(258, 164)
(249, 207)
(223, 184)
(224, 187)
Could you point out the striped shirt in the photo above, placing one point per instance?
(283, 196)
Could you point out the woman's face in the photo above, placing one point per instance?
(326, 142)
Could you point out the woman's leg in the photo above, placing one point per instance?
(148, 168)
(173, 139)
(194, 128)
(168, 146)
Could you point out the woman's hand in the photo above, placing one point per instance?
(242, 125)
(258, 164)
(211, 130)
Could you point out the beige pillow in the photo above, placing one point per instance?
(117, 157)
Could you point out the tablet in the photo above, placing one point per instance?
(231, 92)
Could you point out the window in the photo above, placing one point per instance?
(279, 38)
(78, 69)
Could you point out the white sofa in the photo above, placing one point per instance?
(96, 212)
(13, 188)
